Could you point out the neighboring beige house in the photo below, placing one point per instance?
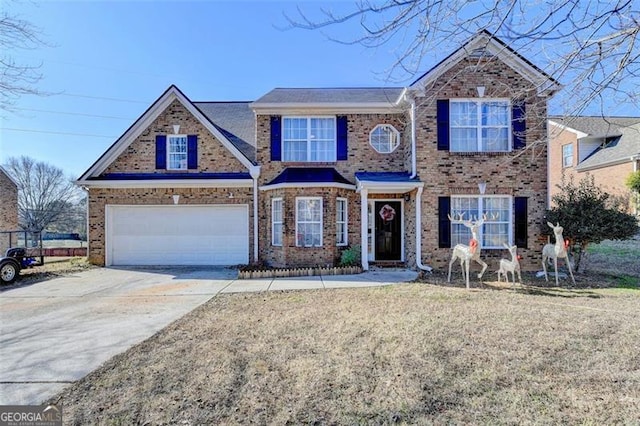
(607, 148)
(8, 208)
(298, 175)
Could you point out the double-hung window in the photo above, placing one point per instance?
(276, 222)
(177, 152)
(496, 229)
(341, 222)
(309, 222)
(478, 125)
(567, 155)
(309, 139)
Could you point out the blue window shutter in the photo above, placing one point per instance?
(518, 124)
(521, 222)
(443, 124)
(444, 224)
(276, 138)
(192, 152)
(342, 131)
(161, 151)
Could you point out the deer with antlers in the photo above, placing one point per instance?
(467, 253)
(556, 251)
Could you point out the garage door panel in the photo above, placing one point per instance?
(178, 235)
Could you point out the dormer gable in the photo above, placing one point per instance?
(171, 97)
(486, 45)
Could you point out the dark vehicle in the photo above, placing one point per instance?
(15, 260)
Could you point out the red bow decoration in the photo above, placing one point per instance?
(473, 245)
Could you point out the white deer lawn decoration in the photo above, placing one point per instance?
(555, 251)
(468, 253)
(512, 265)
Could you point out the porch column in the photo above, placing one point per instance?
(364, 229)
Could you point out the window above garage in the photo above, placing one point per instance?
(176, 152)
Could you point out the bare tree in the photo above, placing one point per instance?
(44, 192)
(17, 78)
(591, 46)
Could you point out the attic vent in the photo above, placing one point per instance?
(480, 52)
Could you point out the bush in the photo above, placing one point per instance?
(350, 256)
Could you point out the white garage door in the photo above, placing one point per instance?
(177, 235)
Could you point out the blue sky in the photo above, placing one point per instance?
(106, 62)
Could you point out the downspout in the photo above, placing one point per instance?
(414, 173)
(86, 189)
(255, 174)
(364, 229)
(419, 232)
(412, 114)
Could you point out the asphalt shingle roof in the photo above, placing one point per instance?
(336, 95)
(620, 136)
(236, 121)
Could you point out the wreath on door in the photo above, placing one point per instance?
(387, 213)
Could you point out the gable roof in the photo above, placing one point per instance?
(8, 175)
(620, 138)
(142, 123)
(334, 98)
(482, 44)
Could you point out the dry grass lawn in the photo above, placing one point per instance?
(412, 353)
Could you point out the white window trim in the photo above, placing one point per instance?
(321, 220)
(479, 127)
(273, 222)
(393, 130)
(309, 118)
(186, 167)
(344, 224)
(481, 209)
(564, 165)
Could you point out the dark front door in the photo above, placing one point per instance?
(388, 242)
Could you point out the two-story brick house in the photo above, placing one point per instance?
(605, 148)
(296, 176)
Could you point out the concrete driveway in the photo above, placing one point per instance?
(55, 332)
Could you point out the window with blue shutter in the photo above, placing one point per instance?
(521, 223)
(276, 138)
(444, 224)
(518, 124)
(161, 152)
(443, 124)
(192, 152)
(342, 131)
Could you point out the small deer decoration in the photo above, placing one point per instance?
(512, 265)
(468, 253)
(556, 251)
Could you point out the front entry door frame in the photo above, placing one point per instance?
(372, 226)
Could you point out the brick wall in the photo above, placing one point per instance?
(556, 168)
(99, 197)
(8, 210)
(361, 155)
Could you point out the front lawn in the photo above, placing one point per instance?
(413, 353)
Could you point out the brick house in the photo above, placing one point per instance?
(8, 207)
(607, 148)
(296, 176)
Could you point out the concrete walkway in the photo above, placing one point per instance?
(55, 332)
